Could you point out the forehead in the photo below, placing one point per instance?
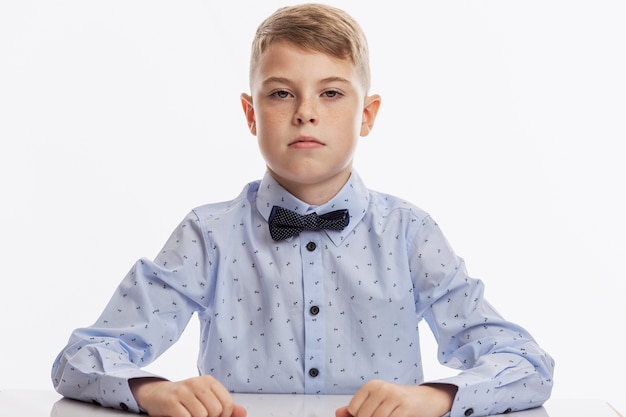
(285, 60)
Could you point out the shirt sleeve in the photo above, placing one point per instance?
(145, 316)
(503, 369)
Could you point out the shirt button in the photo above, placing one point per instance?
(314, 310)
(123, 406)
(311, 246)
(469, 412)
(314, 372)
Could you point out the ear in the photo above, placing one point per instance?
(370, 110)
(248, 110)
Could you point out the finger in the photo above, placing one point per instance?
(224, 398)
(199, 406)
(364, 402)
(367, 407)
(342, 412)
(216, 400)
(239, 411)
(357, 400)
(385, 409)
(210, 404)
(196, 396)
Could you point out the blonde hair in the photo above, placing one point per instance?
(315, 27)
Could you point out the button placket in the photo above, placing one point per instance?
(314, 323)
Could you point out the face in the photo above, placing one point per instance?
(307, 110)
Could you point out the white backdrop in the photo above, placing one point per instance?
(504, 119)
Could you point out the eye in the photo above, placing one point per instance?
(280, 94)
(331, 94)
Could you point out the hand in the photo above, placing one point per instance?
(201, 396)
(384, 399)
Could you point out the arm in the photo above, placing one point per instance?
(145, 316)
(502, 366)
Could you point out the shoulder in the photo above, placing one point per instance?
(224, 209)
(388, 205)
(403, 218)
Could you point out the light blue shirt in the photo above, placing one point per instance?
(322, 312)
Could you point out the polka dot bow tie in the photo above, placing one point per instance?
(286, 223)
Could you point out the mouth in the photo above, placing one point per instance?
(306, 142)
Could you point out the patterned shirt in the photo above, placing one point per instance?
(321, 313)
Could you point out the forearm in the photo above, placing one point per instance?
(499, 383)
(502, 366)
(97, 372)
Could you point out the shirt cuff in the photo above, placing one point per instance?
(474, 397)
(115, 391)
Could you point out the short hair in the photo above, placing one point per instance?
(315, 27)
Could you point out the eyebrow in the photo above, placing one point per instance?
(322, 81)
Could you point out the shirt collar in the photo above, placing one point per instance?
(353, 196)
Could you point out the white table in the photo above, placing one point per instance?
(31, 403)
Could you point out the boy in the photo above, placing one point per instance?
(307, 282)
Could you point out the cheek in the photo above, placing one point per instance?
(348, 122)
(268, 134)
(269, 121)
(349, 115)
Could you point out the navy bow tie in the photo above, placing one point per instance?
(286, 223)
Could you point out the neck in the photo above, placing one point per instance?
(314, 194)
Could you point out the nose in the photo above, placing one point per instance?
(305, 112)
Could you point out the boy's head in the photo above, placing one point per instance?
(308, 106)
(317, 28)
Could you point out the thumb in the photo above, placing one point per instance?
(342, 412)
(239, 411)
